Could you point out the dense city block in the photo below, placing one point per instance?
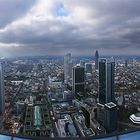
(69, 96)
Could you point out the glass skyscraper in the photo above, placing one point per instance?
(106, 80)
(110, 117)
(102, 81)
(106, 94)
(96, 59)
(67, 67)
(78, 80)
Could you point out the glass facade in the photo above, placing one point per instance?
(102, 81)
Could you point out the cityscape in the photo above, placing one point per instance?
(69, 96)
(70, 69)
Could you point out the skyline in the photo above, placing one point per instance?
(55, 27)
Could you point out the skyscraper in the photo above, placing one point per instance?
(102, 81)
(110, 80)
(126, 63)
(107, 109)
(67, 67)
(110, 117)
(106, 80)
(2, 101)
(78, 81)
(96, 59)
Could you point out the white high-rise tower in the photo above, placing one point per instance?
(67, 67)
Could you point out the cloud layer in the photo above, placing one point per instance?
(54, 27)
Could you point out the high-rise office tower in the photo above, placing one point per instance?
(67, 67)
(102, 81)
(2, 101)
(110, 80)
(107, 109)
(78, 81)
(126, 63)
(96, 59)
(106, 80)
(110, 117)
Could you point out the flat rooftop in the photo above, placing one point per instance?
(110, 105)
(37, 116)
(102, 60)
(88, 132)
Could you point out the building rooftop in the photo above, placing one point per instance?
(80, 119)
(102, 60)
(135, 118)
(110, 105)
(137, 114)
(37, 117)
(66, 127)
(99, 129)
(90, 101)
(88, 132)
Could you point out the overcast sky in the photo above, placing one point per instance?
(55, 27)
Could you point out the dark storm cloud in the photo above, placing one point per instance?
(79, 27)
(10, 10)
(37, 35)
